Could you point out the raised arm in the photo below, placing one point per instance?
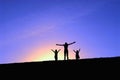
(74, 51)
(79, 50)
(52, 50)
(71, 43)
(60, 44)
(59, 50)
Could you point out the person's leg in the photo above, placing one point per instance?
(67, 55)
(64, 55)
(76, 56)
(56, 57)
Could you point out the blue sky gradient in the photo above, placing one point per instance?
(26, 24)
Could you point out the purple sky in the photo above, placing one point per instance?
(27, 24)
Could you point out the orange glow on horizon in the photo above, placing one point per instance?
(44, 53)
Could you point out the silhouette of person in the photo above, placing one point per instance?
(77, 54)
(56, 54)
(66, 49)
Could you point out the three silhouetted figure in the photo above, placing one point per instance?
(77, 54)
(56, 53)
(66, 49)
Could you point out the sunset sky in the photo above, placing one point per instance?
(29, 29)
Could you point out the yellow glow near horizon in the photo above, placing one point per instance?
(45, 54)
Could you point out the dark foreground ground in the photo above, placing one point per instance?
(63, 63)
(62, 68)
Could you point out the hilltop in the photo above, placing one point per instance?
(90, 61)
(61, 67)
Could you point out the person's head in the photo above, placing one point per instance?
(55, 50)
(77, 51)
(66, 43)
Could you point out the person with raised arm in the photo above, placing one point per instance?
(56, 53)
(77, 54)
(66, 52)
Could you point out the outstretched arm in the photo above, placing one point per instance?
(71, 43)
(53, 50)
(74, 51)
(59, 50)
(60, 44)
